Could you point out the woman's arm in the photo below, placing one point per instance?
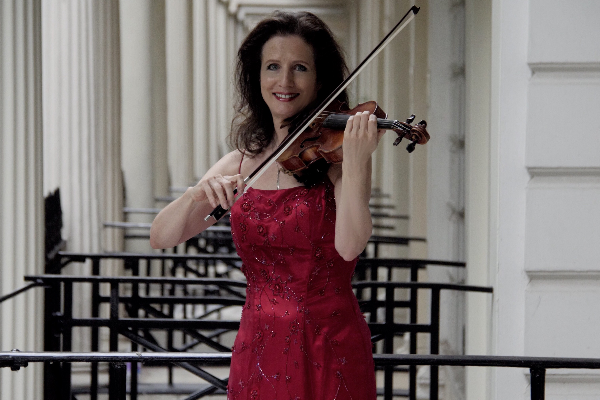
(184, 217)
(352, 183)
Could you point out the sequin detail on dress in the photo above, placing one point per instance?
(302, 335)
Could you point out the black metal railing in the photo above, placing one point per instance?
(118, 389)
(217, 238)
(145, 308)
(140, 303)
(158, 309)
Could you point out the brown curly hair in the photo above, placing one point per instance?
(252, 127)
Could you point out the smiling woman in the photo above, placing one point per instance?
(288, 78)
(254, 122)
(302, 335)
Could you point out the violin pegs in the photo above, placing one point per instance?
(411, 147)
(397, 141)
(424, 123)
(410, 119)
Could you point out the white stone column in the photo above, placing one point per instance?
(445, 177)
(108, 97)
(201, 98)
(21, 200)
(81, 96)
(144, 144)
(477, 197)
(70, 145)
(394, 170)
(178, 17)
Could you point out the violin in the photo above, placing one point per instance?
(324, 136)
(417, 133)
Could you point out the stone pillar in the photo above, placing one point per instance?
(478, 48)
(70, 148)
(108, 98)
(144, 144)
(21, 199)
(396, 99)
(81, 96)
(201, 99)
(445, 166)
(178, 20)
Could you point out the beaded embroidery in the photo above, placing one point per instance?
(307, 337)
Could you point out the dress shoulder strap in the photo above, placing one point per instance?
(242, 159)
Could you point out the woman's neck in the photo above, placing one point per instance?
(279, 136)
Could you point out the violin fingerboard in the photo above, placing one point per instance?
(338, 122)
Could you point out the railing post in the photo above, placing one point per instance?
(95, 331)
(135, 295)
(538, 383)
(67, 338)
(117, 386)
(434, 343)
(412, 369)
(51, 339)
(114, 317)
(388, 386)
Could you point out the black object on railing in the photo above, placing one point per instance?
(53, 223)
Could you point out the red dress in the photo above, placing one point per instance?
(302, 335)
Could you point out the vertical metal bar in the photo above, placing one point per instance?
(51, 338)
(373, 272)
(538, 383)
(117, 387)
(170, 314)
(388, 386)
(95, 330)
(67, 344)
(434, 343)
(412, 369)
(135, 307)
(117, 372)
(114, 317)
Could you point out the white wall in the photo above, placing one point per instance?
(562, 256)
(545, 188)
(446, 175)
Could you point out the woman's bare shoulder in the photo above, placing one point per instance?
(229, 164)
(234, 157)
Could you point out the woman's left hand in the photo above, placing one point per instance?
(361, 137)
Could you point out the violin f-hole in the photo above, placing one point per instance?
(307, 140)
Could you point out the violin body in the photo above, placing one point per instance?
(320, 140)
(324, 137)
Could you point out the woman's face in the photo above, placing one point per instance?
(288, 76)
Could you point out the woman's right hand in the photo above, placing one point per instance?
(184, 217)
(218, 190)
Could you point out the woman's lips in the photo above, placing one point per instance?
(285, 96)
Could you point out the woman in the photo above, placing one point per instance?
(301, 335)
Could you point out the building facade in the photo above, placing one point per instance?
(119, 103)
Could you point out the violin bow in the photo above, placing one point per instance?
(219, 211)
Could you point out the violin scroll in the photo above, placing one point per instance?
(417, 134)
